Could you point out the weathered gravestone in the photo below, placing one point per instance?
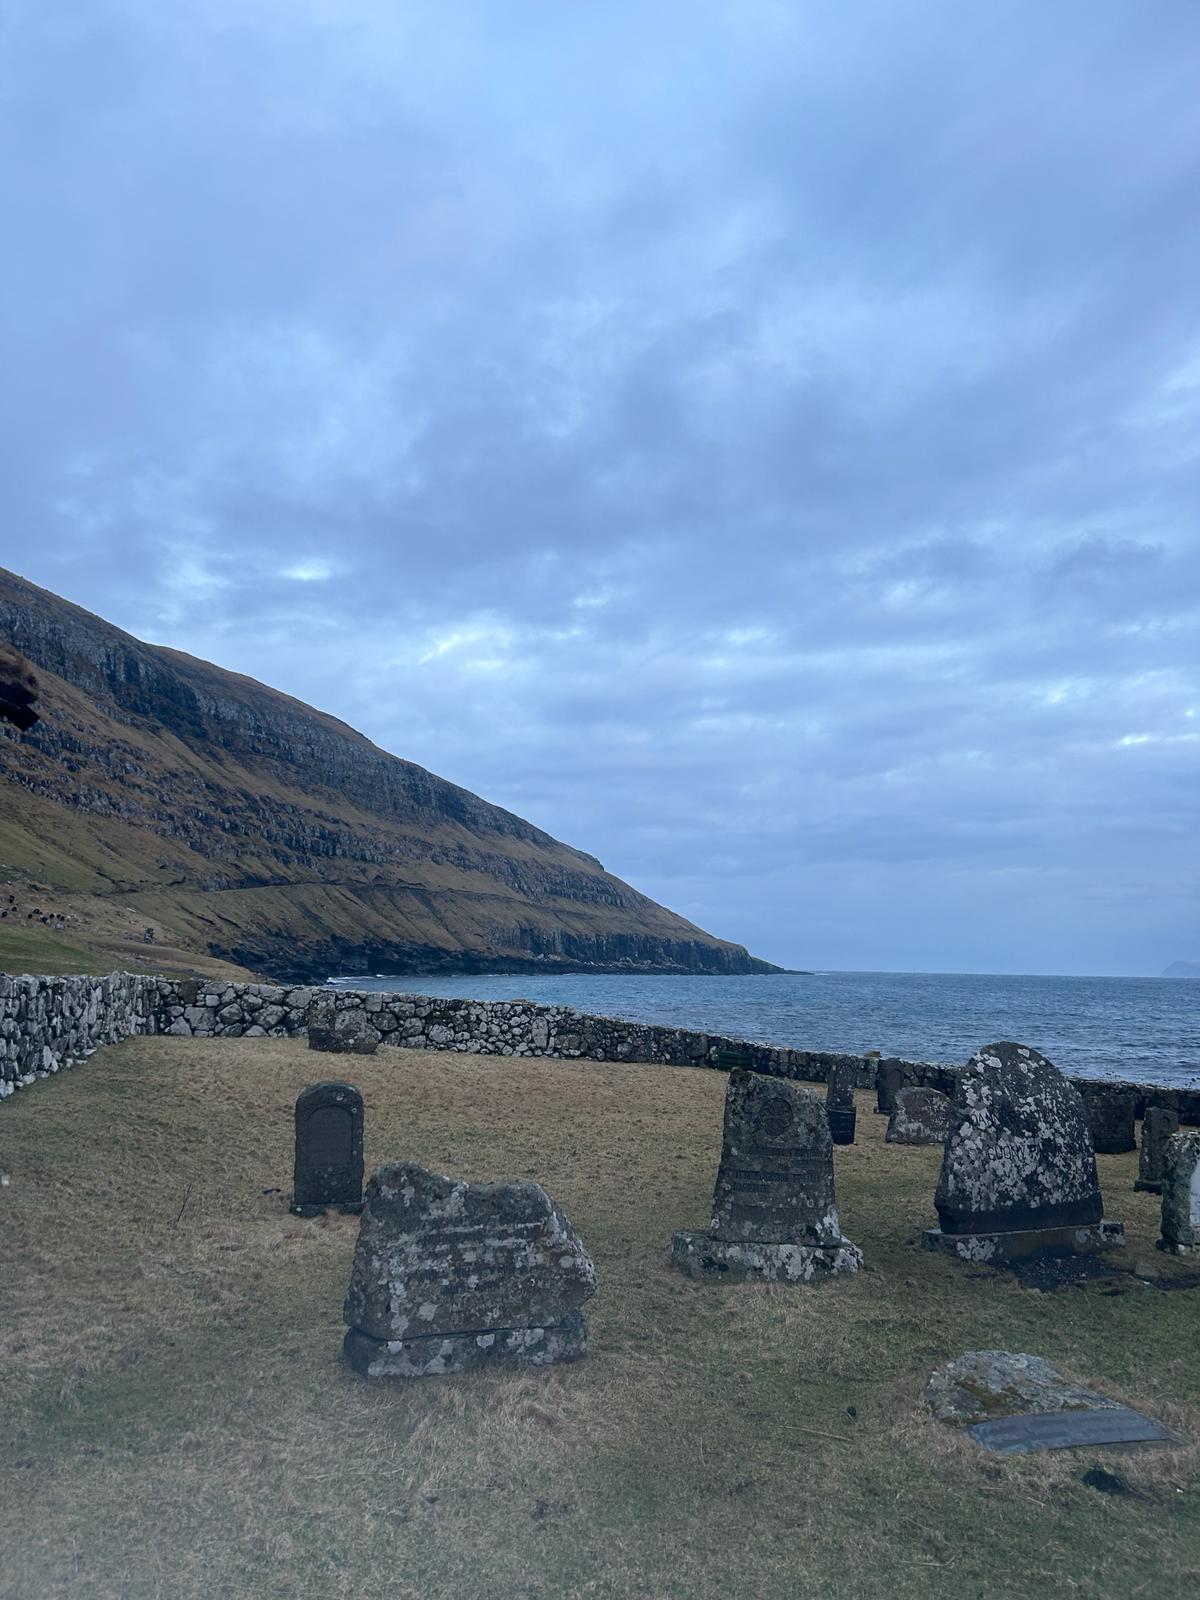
(839, 1102)
(889, 1080)
(1181, 1195)
(773, 1209)
(1110, 1115)
(344, 1030)
(1018, 1174)
(329, 1149)
(922, 1116)
(449, 1276)
(1158, 1125)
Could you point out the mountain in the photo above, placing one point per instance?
(1182, 969)
(159, 792)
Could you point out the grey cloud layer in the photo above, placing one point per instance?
(757, 442)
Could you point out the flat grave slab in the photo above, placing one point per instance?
(1068, 1430)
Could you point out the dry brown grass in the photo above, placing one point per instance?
(179, 1422)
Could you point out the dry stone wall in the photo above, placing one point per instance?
(47, 1024)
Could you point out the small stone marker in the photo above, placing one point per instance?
(329, 1149)
(773, 1207)
(343, 1030)
(922, 1116)
(839, 1102)
(449, 1276)
(889, 1080)
(1181, 1195)
(1110, 1114)
(1158, 1125)
(1018, 1174)
(1012, 1404)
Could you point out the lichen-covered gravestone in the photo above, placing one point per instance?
(1018, 1174)
(1181, 1195)
(343, 1030)
(1158, 1125)
(922, 1116)
(839, 1102)
(773, 1207)
(329, 1149)
(889, 1080)
(449, 1276)
(1110, 1114)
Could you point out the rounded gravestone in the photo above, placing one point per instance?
(1018, 1173)
(922, 1116)
(329, 1149)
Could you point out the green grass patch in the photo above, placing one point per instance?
(179, 1421)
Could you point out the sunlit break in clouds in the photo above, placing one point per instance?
(755, 442)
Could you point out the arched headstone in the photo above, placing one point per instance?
(329, 1149)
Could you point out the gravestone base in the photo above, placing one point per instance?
(1173, 1248)
(1147, 1186)
(699, 1255)
(842, 1120)
(466, 1352)
(349, 1208)
(1019, 1245)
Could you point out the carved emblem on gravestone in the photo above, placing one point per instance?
(329, 1149)
(773, 1207)
(922, 1116)
(450, 1275)
(1158, 1125)
(1018, 1173)
(1181, 1195)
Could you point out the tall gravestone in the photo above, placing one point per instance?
(1018, 1174)
(1181, 1195)
(922, 1116)
(839, 1102)
(329, 1149)
(1110, 1114)
(889, 1080)
(1158, 1125)
(774, 1215)
(449, 1276)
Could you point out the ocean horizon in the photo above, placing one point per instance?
(1144, 1030)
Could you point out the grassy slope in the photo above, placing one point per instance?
(180, 1422)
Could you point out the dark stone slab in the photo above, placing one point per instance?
(454, 1265)
(1068, 1430)
(889, 1080)
(1019, 1152)
(329, 1149)
(775, 1181)
(1158, 1125)
(839, 1085)
(842, 1122)
(1110, 1115)
(922, 1116)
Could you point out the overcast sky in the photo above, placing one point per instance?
(757, 442)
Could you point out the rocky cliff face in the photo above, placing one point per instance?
(251, 827)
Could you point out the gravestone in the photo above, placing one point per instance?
(889, 1080)
(1014, 1404)
(1018, 1174)
(1110, 1114)
(1158, 1124)
(1181, 1195)
(449, 1276)
(922, 1116)
(329, 1149)
(344, 1030)
(839, 1102)
(773, 1206)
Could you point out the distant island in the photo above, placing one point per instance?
(1182, 969)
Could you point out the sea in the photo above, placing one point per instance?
(1144, 1030)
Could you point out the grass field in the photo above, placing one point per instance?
(178, 1422)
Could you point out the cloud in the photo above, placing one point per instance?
(755, 442)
